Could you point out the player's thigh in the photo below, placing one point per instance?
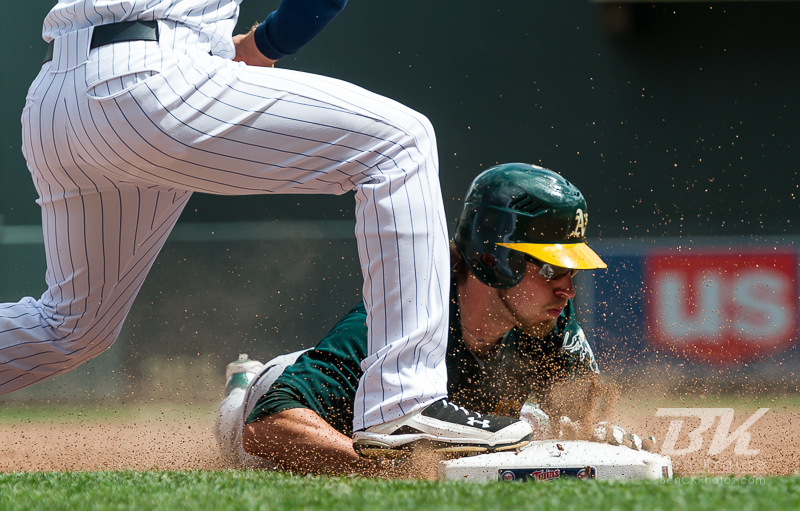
(216, 126)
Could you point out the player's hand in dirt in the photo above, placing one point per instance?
(538, 420)
(616, 435)
(569, 429)
(649, 444)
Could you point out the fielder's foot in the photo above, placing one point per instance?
(442, 427)
(241, 372)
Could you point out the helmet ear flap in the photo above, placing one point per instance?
(511, 269)
(492, 264)
(498, 267)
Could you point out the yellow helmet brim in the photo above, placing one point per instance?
(576, 256)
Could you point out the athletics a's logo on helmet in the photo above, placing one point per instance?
(581, 219)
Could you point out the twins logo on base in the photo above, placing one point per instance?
(546, 474)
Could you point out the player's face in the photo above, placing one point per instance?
(536, 302)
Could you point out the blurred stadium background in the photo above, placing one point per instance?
(677, 120)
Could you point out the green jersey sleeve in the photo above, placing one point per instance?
(325, 378)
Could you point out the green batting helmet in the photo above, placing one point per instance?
(516, 209)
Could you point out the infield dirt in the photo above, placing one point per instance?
(158, 438)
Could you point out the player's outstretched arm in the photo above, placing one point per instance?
(300, 441)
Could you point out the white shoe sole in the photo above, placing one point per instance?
(373, 443)
(376, 448)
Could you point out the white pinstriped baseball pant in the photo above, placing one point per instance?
(117, 138)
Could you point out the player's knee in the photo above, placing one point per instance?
(414, 130)
(82, 340)
(425, 133)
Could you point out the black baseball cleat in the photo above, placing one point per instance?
(442, 427)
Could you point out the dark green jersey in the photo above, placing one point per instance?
(324, 379)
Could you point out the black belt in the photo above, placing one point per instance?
(117, 33)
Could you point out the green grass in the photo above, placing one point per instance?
(251, 491)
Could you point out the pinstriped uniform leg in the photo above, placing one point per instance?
(94, 273)
(101, 238)
(166, 121)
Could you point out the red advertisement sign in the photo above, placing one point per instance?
(722, 308)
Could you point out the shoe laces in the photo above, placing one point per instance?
(445, 402)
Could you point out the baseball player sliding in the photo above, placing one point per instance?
(139, 103)
(513, 338)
